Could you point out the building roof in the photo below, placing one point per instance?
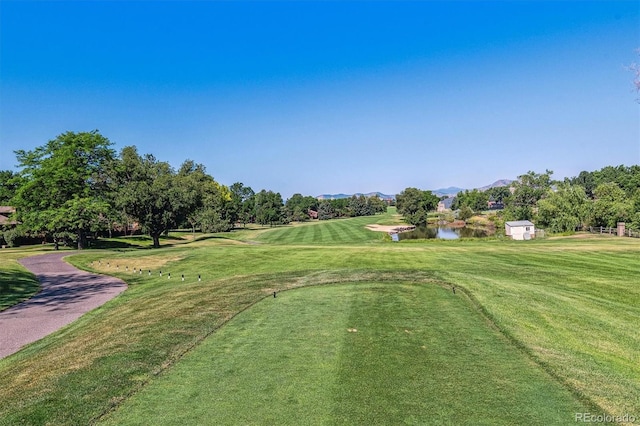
(519, 223)
(6, 221)
(7, 210)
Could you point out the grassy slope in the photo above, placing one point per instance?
(572, 304)
(16, 283)
(419, 352)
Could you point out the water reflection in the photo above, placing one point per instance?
(442, 232)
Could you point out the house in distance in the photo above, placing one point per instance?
(520, 230)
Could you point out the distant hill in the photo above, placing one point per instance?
(449, 192)
(442, 192)
(453, 190)
(369, 194)
(498, 183)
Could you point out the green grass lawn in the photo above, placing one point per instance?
(366, 353)
(567, 306)
(338, 231)
(16, 283)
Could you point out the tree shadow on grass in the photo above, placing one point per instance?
(65, 291)
(111, 244)
(15, 286)
(135, 242)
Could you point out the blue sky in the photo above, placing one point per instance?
(327, 97)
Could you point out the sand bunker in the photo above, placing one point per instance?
(391, 229)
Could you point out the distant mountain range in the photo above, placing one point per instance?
(369, 194)
(496, 184)
(453, 190)
(449, 192)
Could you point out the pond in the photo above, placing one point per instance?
(444, 233)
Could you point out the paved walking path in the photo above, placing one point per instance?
(67, 293)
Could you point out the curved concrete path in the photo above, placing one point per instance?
(67, 293)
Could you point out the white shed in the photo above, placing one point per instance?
(520, 230)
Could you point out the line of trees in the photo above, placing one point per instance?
(350, 207)
(600, 198)
(76, 186)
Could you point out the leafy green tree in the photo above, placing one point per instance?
(376, 205)
(64, 186)
(627, 178)
(358, 206)
(465, 213)
(415, 204)
(9, 184)
(218, 198)
(635, 208)
(192, 181)
(297, 207)
(212, 220)
(340, 206)
(326, 210)
(586, 180)
(611, 205)
(475, 200)
(269, 208)
(11, 236)
(335, 208)
(203, 201)
(243, 203)
(528, 190)
(148, 192)
(564, 209)
(498, 194)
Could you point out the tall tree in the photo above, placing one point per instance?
(376, 204)
(242, 203)
(498, 194)
(528, 190)
(203, 201)
(9, 184)
(64, 188)
(269, 208)
(148, 191)
(297, 207)
(414, 205)
(358, 206)
(475, 200)
(564, 209)
(611, 205)
(326, 210)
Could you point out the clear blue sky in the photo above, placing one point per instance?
(334, 96)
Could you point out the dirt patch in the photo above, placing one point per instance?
(456, 224)
(128, 265)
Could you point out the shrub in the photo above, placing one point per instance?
(11, 236)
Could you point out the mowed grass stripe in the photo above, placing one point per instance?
(367, 353)
(336, 231)
(308, 235)
(317, 233)
(280, 234)
(332, 234)
(349, 232)
(285, 234)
